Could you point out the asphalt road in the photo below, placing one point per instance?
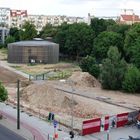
(6, 134)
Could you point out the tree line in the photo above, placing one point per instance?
(107, 50)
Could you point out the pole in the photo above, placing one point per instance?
(18, 105)
(72, 105)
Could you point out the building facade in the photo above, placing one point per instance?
(3, 34)
(37, 51)
(4, 17)
(16, 18)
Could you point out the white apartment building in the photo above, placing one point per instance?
(18, 17)
(4, 17)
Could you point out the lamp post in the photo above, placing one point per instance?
(18, 105)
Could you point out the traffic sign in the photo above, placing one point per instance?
(55, 123)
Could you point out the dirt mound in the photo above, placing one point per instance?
(42, 94)
(84, 79)
(48, 98)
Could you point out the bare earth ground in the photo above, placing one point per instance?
(43, 97)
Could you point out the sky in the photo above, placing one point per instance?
(73, 7)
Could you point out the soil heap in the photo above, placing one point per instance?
(84, 79)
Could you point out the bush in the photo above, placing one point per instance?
(3, 93)
(131, 81)
(88, 64)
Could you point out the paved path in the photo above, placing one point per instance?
(6, 134)
(39, 126)
(7, 66)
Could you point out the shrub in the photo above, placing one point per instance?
(131, 81)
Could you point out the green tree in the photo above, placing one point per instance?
(132, 37)
(9, 39)
(113, 70)
(88, 64)
(48, 31)
(75, 39)
(28, 31)
(100, 25)
(135, 53)
(3, 93)
(103, 41)
(15, 32)
(131, 81)
(61, 37)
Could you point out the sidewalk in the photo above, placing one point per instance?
(12, 126)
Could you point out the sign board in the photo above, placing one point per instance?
(55, 123)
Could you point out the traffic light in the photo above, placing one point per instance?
(51, 116)
(71, 134)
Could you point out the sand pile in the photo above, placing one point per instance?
(84, 79)
(48, 98)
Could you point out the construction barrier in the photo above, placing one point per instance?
(122, 119)
(91, 126)
(104, 123)
(106, 126)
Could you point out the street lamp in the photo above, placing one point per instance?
(72, 105)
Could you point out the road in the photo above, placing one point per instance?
(6, 134)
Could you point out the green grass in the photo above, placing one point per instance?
(4, 50)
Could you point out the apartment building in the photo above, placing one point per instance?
(4, 17)
(3, 34)
(18, 17)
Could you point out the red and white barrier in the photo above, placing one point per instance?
(103, 124)
(91, 126)
(122, 119)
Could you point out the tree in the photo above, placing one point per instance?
(48, 31)
(61, 37)
(119, 28)
(79, 39)
(131, 81)
(103, 41)
(100, 25)
(3, 93)
(75, 39)
(88, 64)
(113, 70)
(135, 53)
(28, 31)
(132, 37)
(9, 39)
(15, 32)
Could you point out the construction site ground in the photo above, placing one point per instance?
(42, 97)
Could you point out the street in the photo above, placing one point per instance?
(6, 134)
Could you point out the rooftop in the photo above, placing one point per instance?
(33, 43)
(130, 17)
